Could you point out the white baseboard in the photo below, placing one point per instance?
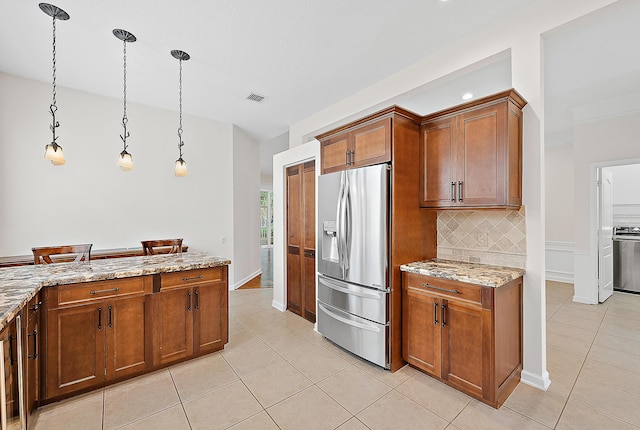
(246, 279)
(559, 276)
(540, 382)
(279, 306)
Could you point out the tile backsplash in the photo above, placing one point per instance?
(484, 236)
(626, 215)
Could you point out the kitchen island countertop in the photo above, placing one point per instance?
(20, 284)
(473, 273)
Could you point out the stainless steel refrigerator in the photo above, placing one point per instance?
(353, 266)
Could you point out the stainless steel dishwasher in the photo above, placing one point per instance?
(626, 259)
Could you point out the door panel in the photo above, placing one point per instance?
(75, 348)
(367, 221)
(309, 234)
(128, 336)
(173, 323)
(301, 225)
(421, 330)
(437, 163)
(605, 239)
(295, 223)
(334, 153)
(481, 156)
(462, 341)
(209, 324)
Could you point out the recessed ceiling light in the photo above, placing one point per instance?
(467, 96)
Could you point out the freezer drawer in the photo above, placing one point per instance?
(364, 302)
(364, 338)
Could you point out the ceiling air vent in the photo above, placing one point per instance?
(255, 97)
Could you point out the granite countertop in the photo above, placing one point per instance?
(20, 284)
(479, 274)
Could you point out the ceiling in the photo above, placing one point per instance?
(303, 55)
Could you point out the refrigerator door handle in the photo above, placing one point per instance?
(339, 226)
(348, 223)
(365, 294)
(348, 322)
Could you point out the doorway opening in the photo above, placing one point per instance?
(618, 205)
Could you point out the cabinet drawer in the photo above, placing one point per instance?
(191, 277)
(445, 287)
(73, 294)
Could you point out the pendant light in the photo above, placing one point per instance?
(53, 151)
(124, 160)
(180, 168)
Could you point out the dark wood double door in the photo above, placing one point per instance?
(301, 240)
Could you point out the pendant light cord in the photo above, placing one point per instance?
(180, 143)
(124, 89)
(53, 108)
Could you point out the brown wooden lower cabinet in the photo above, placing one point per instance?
(101, 332)
(466, 335)
(190, 314)
(97, 332)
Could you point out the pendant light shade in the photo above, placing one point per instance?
(125, 162)
(53, 151)
(180, 168)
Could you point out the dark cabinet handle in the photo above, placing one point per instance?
(197, 299)
(189, 300)
(353, 153)
(35, 344)
(109, 290)
(99, 318)
(346, 157)
(309, 253)
(193, 279)
(440, 288)
(110, 316)
(444, 322)
(435, 313)
(459, 191)
(453, 191)
(35, 307)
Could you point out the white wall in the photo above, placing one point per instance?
(246, 207)
(626, 184)
(90, 199)
(267, 150)
(521, 35)
(559, 213)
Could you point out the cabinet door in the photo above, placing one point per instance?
(75, 348)
(210, 323)
(10, 344)
(421, 329)
(128, 336)
(173, 325)
(33, 355)
(371, 143)
(334, 154)
(463, 337)
(482, 156)
(438, 185)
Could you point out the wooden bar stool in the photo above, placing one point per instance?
(165, 246)
(65, 253)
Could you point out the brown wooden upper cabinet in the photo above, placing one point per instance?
(471, 155)
(366, 144)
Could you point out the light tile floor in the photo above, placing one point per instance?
(277, 373)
